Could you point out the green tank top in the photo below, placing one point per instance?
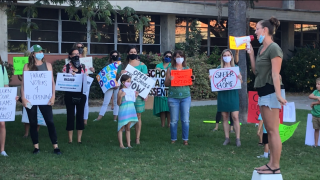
(179, 92)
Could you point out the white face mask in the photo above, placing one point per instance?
(227, 59)
(179, 60)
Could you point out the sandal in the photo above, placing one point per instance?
(261, 169)
(137, 140)
(185, 143)
(172, 142)
(260, 144)
(269, 169)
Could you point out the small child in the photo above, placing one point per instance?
(316, 111)
(264, 138)
(127, 116)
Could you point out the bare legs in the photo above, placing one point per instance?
(2, 135)
(316, 137)
(127, 128)
(163, 116)
(138, 128)
(70, 134)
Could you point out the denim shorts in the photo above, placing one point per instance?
(271, 101)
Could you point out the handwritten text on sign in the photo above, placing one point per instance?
(7, 103)
(69, 82)
(140, 82)
(287, 131)
(107, 76)
(38, 86)
(181, 77)
(159, 77)
(18, 64)
(225, 79)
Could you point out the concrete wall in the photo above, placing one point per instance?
(168, 29)
(287, 38)
(3, 35)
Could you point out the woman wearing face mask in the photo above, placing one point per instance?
(228, 101)
(160, 104)
(266, 66)
(179, 99)
(37, 63)
(113, 57)
(74, 99)
(132, 59)
(82, 50)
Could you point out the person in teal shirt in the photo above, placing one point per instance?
(160, 103)
(316, 111)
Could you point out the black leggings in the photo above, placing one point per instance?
(46, 111)
(219, 117)
(70, 106)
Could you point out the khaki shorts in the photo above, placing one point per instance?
(316, 122)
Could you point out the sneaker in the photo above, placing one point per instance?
(238, 142)
(96, 120)
(115, 120)
(3, 153)
(36, 151)
(232, 131)
(57, 151)
(227, 141)
(262, 156)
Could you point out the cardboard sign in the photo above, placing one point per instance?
(225, 79)
(232, 44)
(254, 110)
(309, 140)
(40, 118)
(139, 82)
(107, 76)
(18, 64)
(181, 77)
(159, 77)
(289, 112)
(69, 82)
(38, 87)
(287, 131)
(8, 103)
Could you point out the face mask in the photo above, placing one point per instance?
(179, 60)
(127, 84)
(75, 61)
(227, 59)
(80, 50)
(132, 56)
(261, 38)
(39, 56)
(167, 59)
(114, 58)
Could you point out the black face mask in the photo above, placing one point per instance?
(75, 61)
(132, 56)
(114, 58)
(80, 50)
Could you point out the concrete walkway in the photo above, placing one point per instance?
(301, 102)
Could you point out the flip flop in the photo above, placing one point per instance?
(269, 169)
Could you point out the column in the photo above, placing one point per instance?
(3, 35)
(287, 38)
(168, 31)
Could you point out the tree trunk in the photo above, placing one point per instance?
(237, 27)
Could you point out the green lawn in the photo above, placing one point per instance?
(99, 157)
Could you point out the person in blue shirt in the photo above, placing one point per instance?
(264, 138)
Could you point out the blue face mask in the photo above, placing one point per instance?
(167, 59)
(39, 56)
(261, 38)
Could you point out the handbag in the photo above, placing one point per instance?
(76, 100)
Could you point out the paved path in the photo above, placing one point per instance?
(301, 102)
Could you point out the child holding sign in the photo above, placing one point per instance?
(316, 111)
(127, 112)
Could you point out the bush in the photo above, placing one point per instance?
(9, 68)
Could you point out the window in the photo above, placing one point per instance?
(305, 34)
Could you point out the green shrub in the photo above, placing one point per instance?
(9, 68)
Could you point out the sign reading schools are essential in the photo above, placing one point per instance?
(140, 82)
(18, 64)
(159, 77)
(225, 79)
(8, 103)
(107, 76)
(38, 86)
(181, 77)
(40, 118)
(69, 82)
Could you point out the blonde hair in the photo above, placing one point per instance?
(318, 80)
(232, 58)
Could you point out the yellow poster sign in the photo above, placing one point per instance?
(287, 131)
(232, 44)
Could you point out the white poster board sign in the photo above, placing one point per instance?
(289, 112)
(40, 118)
(89, 82)
(8, 103)
(69, 82)
(310, 132)
(225, 79)
(87, 61)
(139, 82)
(85, 84)
(159, 77)
(38, 87)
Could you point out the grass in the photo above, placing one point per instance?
(99, 157)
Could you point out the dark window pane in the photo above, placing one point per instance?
(65, 47)
(101, 48)
(105, 37)
(151, 30)
(15, 34)
(105, 28)
(297, 43)
(220, 48)
(44, 36)
(204, 49)
(310, 43)
(154, 19)
(17, 46)
(151, 39)
(146, 49)
(47, 47)
(65, 16)
(74, 37)
(73, 26)
(19, 11)
(297, 35)
(127, 34)
(17, 23)
(122, 48)
(310, 36)
(255, 43)
(219, 41)
(96, 19)
(46, 13)
(46, 25)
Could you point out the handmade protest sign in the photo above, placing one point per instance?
(40, 118)
(8, 103)
(87, 61)
(69, 82)
(18, 64)
(85, 83)
(140, 82)
(309, 140)
(254, 110)
(159, 77)
(287, 131)
(89, 82)
(181, 77)
(38, 87)
(224, 79)
(107, 76)
(289, 112)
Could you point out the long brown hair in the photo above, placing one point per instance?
(174, 63)
(126, 62)
(32, 62)
(1, 62)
